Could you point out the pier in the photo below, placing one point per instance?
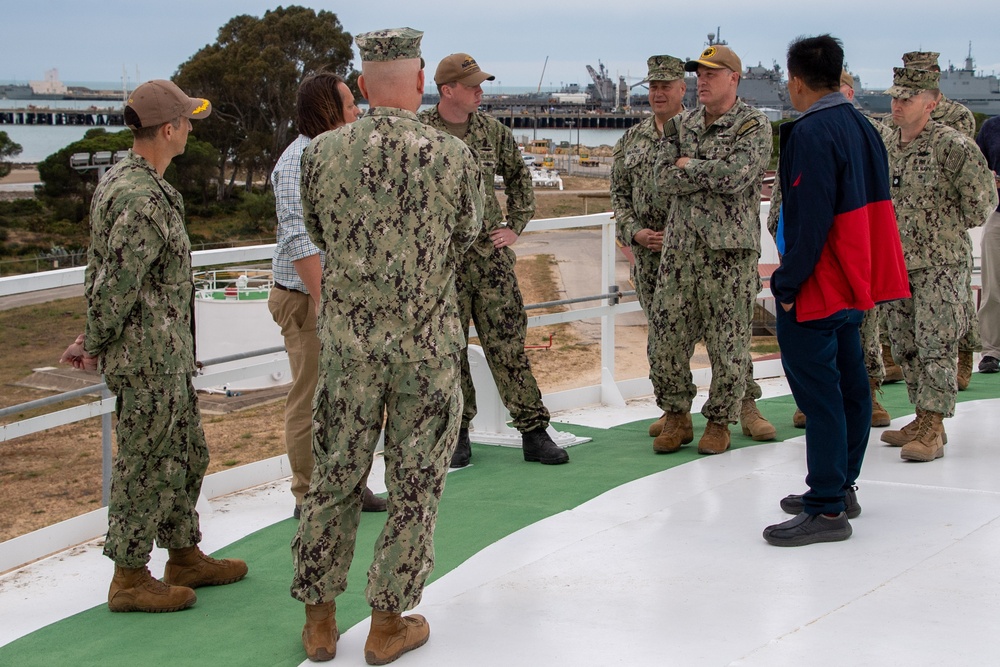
(565, 118)
(92, 117)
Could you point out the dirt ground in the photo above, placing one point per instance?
(52, 476)
(55, 475)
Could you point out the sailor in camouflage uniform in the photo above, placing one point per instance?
(140, 327)
(941, 187)
(959, 117)
(487, 286)
(394, 204)
(640, 219)
(709, 169)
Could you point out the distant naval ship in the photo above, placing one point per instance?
(979, 92)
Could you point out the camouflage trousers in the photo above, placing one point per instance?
(871, 343)
(158, 469)
(971, 341)
(422, 404)
(702, 294)
(644, 274)
(925, 330)
(489, 296)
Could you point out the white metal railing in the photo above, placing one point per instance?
(251, 368)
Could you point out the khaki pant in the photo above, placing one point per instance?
(989, 309)
(295, 313)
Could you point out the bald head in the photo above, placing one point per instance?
(395, 83)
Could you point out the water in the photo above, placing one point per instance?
(40, 141)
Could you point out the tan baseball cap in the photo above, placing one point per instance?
(461, 68)
(716, 57)
(846, 79)
(160, 101)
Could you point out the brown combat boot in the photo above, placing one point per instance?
(677, 430)
(893, 371)
(927, 444)
(903, 435)
(799, 419)
(715, 439)
(134, 589)
(319, 636)
(907, 433)
(657, 427)
(190, 567)
(880, 416)
(392, 635)
(964, 369)
(753, 423)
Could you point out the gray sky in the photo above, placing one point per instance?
(88, 41)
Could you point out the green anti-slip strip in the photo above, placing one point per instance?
(256, 622)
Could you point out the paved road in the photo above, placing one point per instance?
(43, 296)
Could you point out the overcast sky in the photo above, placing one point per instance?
(94, 41)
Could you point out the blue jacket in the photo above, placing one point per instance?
(839, 233)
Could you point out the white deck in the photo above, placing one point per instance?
(672, 570)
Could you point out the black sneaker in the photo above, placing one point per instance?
(463, 450)
(809, 529)
(297, 512)
(538, 446)
(794, 505)
(989, 365)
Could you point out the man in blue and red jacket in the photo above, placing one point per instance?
(842, 255)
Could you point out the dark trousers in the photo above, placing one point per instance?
(825, 367)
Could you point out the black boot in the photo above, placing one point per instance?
(463, 450)
(538, 446)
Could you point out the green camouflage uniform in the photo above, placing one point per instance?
(941, 187)
(394, 204)
(487, 286)
(636, 205)
(139, 292)
(633, 198)
(957, 116)
(708, 269)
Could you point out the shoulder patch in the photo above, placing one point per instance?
(747, 127)
(954, 160)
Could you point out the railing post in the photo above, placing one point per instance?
(610, 394)
(105, 452)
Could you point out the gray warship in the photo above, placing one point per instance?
(978, 91)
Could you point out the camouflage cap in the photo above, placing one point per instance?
(921, 60)
(389, 44)
(846, 79)
(460, 67)
(715, 57)
(160, 101)
(664, 68)
(907, 82)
